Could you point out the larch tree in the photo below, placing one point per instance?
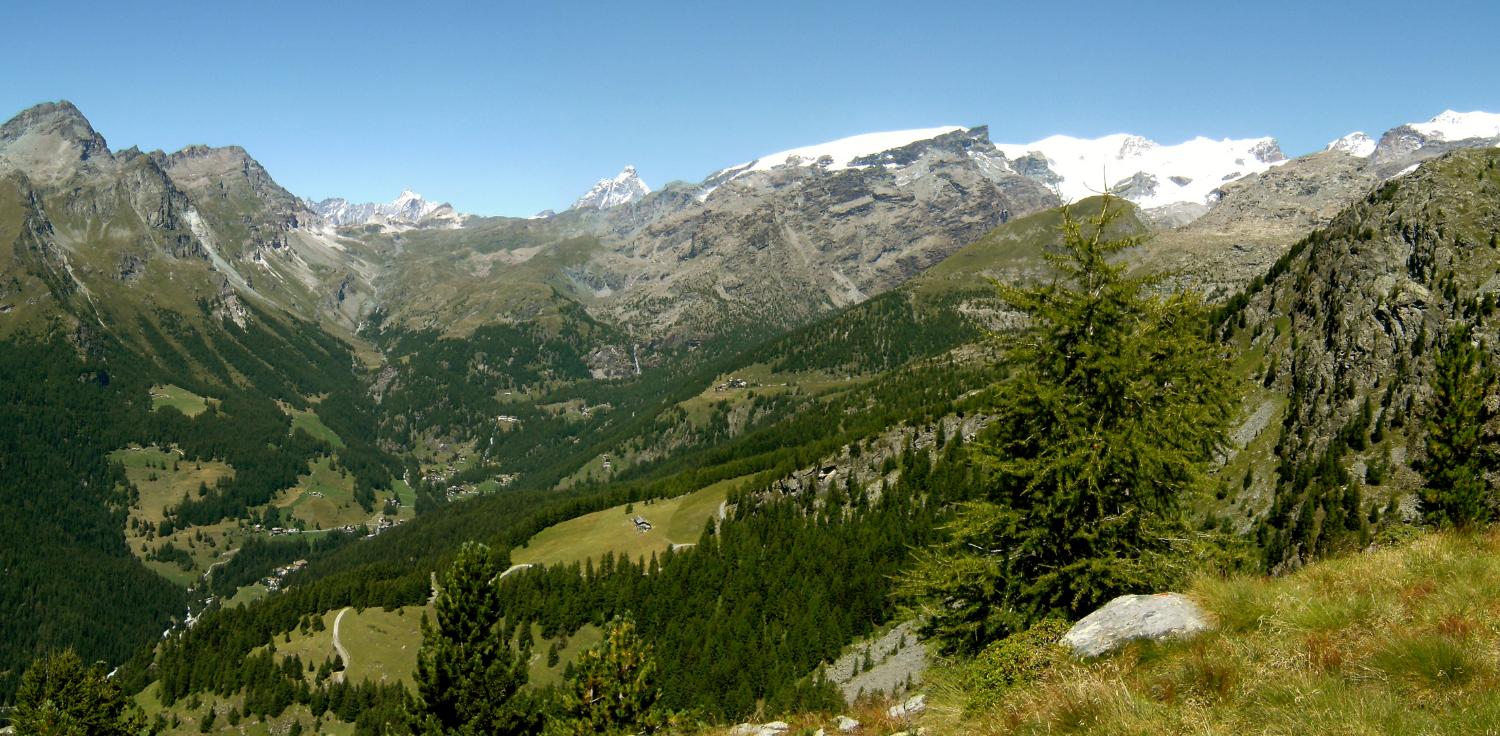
(1113, 405)
(1458, 455)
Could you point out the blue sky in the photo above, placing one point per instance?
(509, 108)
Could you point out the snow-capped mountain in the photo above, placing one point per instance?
(1403, 146)
(1357, 144)
(407, 210)
(1141, 170)
(1448, 127)
(624, 188)
(833, 155)
(1144, 171)
(1453, 126)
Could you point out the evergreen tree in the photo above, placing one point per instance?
(59, 695)
(612, 689)
(468, 675)
(1114, 404)
(1457, 455)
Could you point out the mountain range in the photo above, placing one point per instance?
(206, 361)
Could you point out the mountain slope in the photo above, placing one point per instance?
(1346, 326)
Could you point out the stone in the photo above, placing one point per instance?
(913, 705)
(1135, 617)
(774, 728)
(846, 724)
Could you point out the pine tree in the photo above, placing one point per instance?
(468, 675)
(59, 695)
(1457, 455)
(1113, 406)
(612, 689)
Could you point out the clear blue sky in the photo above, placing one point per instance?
(509, 108)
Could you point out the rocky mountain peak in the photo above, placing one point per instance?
(50, 141)
(624, 188)
(212, 173)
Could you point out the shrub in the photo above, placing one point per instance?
(1016, 660)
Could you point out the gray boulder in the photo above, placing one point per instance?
(913, 705)
(774, 728)
(1134, 617)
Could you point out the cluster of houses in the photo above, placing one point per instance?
(461, 490)
(732, 383)
(273, 581)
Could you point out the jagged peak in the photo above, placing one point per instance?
(33, 140)
(49, 116)
(622, 188)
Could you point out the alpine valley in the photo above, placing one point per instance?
(247, 435)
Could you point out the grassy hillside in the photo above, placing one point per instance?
(674, 521)
(1402, 640)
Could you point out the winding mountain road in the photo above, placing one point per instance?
(338, 646)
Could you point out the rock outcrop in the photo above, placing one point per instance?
(1134, 618)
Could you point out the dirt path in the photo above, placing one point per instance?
(515, 567)
(338, 646)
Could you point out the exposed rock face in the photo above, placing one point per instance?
(1133, 618)
(238, 195)
(1256, 219)
(176, 231)
(897, 658)
(52, 142)
(777, 247)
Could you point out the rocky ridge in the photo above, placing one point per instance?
(407, 210)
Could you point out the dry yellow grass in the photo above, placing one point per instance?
(1403, 640)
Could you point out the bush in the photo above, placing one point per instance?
(1016, 660)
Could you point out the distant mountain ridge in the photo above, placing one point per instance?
(408, 209)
